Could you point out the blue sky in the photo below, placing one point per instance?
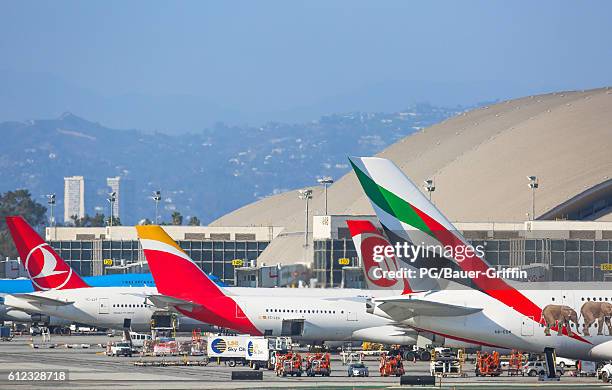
(122, 63)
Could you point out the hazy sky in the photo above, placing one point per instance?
(258, 58)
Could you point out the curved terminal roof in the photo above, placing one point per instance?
(480, 161)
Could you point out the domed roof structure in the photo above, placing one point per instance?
(480, 161)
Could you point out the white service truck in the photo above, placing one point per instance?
(240, 349)
(258, 353)
(138, 339)
(228, 349)
(605, 374)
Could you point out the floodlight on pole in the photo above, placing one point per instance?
(51, 203)
(112, 198)
(430, 187)
(325, 181)
(306, 195)
(156, 197)
(533, 184)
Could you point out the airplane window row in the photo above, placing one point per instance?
(589, 299)
(302, 311)
(571, 325)
(127, 305)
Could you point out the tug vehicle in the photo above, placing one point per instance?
(318, 364)
(488, 364)
(516, 363)
(289, 364)
(391, 365)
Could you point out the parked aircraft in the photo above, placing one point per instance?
(60, 292)
(476, 305)
(24, 285)
(304, 314)
(17, 286)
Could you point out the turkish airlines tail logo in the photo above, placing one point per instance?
(366, 237)
(46, 269)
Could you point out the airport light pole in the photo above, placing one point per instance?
(533, 184)
(51, 203)
(112, 198)
(156, 198)
(306, 195)
(325, 181)
(430, 186)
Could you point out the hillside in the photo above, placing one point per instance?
(206, 173)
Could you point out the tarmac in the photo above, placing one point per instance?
(91, 369)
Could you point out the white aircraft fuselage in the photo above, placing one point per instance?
(103, 307)
(498, 325)
(327, 314)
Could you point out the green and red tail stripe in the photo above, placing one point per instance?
(375, 174)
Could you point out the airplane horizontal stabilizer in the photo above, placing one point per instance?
(33, 298)
(402, 308)
(166, 302)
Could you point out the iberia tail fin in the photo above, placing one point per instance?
(174, 272)
(46, 269)
(177, 276)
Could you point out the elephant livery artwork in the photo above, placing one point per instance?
(559, 315)
(596, 311)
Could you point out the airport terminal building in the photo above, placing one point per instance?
(106, 250)
(547, 250)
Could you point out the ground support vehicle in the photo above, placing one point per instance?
(445, 362)
(605, 373)
(412, 353)
(515, 363)
(119, 349)
(5, 333)
(289, 364)
(318, 364)
(586, 368)
(391, 365)
(488, 364)
(231, 350)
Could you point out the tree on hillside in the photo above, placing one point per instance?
(18, 202)
(177, 218)
(194, 221)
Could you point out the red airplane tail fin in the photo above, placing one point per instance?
(366, 239)
(46, 269)
(175, 274)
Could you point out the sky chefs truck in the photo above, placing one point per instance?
(241, 349)
(255, 351)
(258, 353)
